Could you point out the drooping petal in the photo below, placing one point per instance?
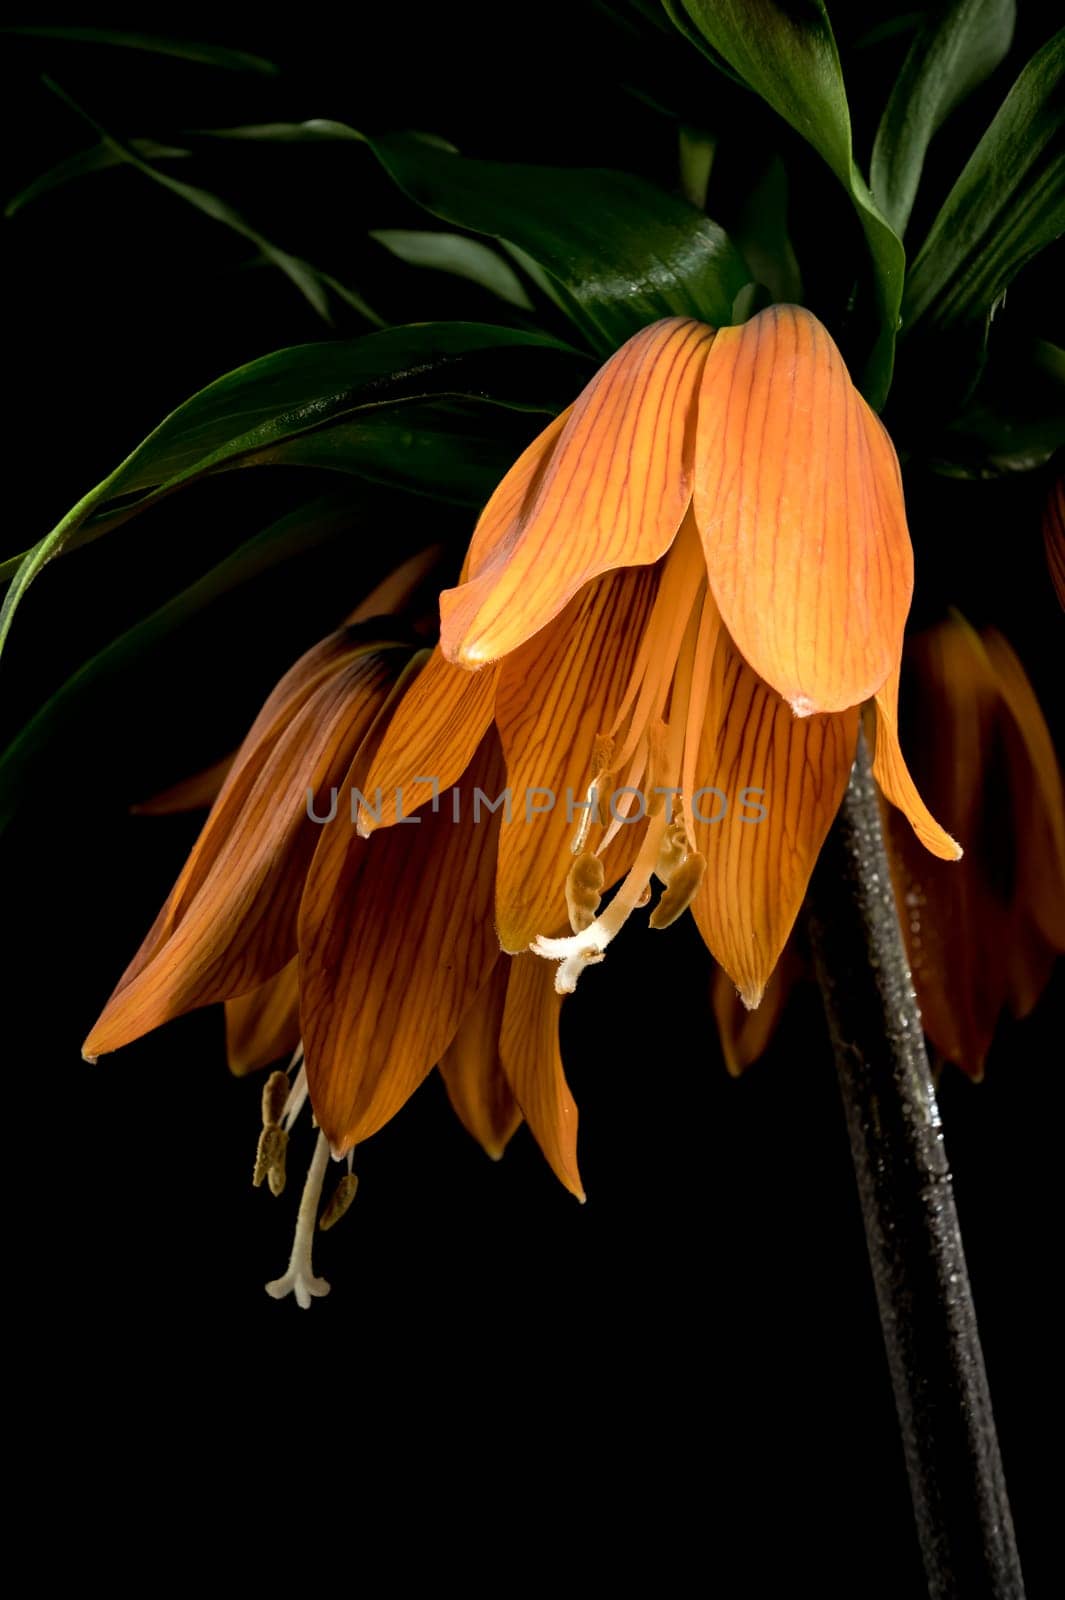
(893, 775)
(745, 1034)
(1036, 789)
(230, 922)
(264, 1025)
(799, 501)
(533, 1064)
(1054, 536)
(612, 494)
(955, 915)
(195, 793)
(473, 1074)
(432, 736)
(761, 759)
(500, 521)
(556, 694)
(396, 939)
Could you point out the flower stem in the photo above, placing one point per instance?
(911, 1224)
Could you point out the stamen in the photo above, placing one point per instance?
(680, 891)
(673, 851)
(275, 1094)
(299, 1279)
(343, 1195)
(588, 946)
(270, 1159)
(297, 1094)
(584, 890)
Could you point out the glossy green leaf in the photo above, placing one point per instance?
(959, 46)
(623, 252)
(1015, 421)
(1008, 204)
(251, 414)
(462, 257)
(787, 54)
(208, 55)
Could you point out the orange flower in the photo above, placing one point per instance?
(982, 936)
(1054, 536)
(305, 931)
(693, 578)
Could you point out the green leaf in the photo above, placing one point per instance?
(67, 718)
(98, 158)
(960, 45)
(312, 283)
(462, 257)
(208, 55)
(1008, 203)
(787, 54)
(622, 252)
(250, 414)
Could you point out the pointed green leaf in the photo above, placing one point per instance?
(1008, 204)
(959, 46)
(462, 257)
(787, 54)
(249, 415)
(208, 55)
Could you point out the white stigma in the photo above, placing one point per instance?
(300, 1279)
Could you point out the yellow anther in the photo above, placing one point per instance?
(270, 1158)
(680, 891)
(275, 1093)
(584, 889)
(673, 852)
(343, 1195)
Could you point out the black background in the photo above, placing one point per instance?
(687, 1372)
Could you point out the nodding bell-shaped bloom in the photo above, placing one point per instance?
(982, 936)
(687, 586)
(303, 929)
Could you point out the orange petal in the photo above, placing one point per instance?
(1054, 536)
(432, 735)
(893, 776)
(955, 915)
(230, 922)
(473, 1073)
(264, 1025)
(533, 1064)
(556, 693)
(799, 501)
(1036, 789)
(745, 1034)
(402, 589)
(191, 794)
(758, 755)
(612, 494)
(499, 522)
(396, 940)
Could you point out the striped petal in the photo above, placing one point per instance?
(612, 494)
(556, 693)
(264, 1025)
(396, 940)
(759, 757)
(230, 922)
(799, 502)
(1054, 536)
(473, 1074)
(533, 1065)
(432, 736)
(893, 775)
